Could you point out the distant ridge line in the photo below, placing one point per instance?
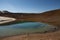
(29, 13)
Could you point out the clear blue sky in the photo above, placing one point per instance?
(29, 6)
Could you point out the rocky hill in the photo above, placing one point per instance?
(51, 17)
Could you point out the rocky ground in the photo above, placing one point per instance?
(51, 17)
(45, 36)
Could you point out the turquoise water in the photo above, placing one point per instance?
(28, 27)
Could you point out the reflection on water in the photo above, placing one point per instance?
(28, 27)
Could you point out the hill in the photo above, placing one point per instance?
(51, 17)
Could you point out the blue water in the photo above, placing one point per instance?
(28, 27)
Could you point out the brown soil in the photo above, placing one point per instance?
(46, 36)
(50, 17)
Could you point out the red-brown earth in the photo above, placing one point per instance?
(51, 17)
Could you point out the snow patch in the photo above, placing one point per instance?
(6, 19)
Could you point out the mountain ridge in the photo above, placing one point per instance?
(51, 17)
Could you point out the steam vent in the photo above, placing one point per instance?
(30, 26)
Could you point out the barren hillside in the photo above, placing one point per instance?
(51, 17)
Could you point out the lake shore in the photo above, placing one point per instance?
(50, 17)
(36, 36)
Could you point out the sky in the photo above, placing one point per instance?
(29, 6)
